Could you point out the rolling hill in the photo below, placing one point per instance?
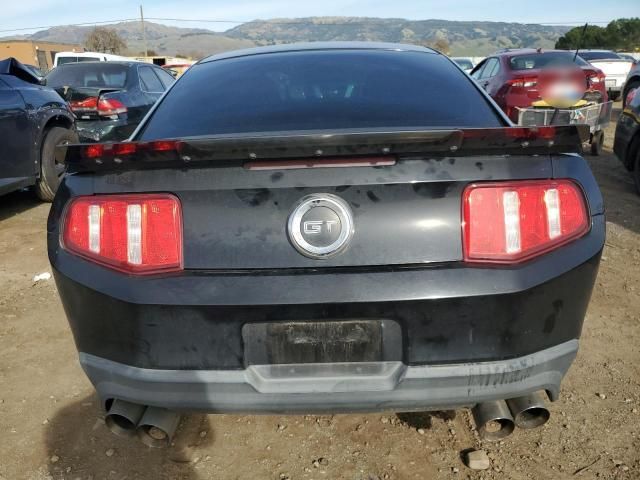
(462, 38)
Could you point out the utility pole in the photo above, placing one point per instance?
(144, 33)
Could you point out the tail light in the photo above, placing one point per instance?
(523, 82)
(139, 234)
(106, 107)
(631, 95)
(594, 78)
(514, 221)
(110, 106)
(87, 105)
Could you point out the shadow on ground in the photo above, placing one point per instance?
(424, 419)
(79, 445)
(17, 202)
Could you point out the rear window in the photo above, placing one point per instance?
(599, 55)
(101, 75)
(315, 90)
(63, 60)
(546, 59)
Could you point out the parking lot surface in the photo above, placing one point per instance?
(52, 427)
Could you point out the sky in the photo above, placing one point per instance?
(32, 14)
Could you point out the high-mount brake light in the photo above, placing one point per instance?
(509, 222)
(138, 234)
(100, 150)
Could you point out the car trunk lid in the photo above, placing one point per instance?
(402, 190)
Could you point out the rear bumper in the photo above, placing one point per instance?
(332, 387)
(104, 130)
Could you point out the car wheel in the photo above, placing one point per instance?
(630, 86)
(52, 166)
(613, 96)
(636, 172)
(597, 139)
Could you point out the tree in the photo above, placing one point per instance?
(105, 40)
(441, 44)
(594, 37)
(622, 34)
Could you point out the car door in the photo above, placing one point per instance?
(489, 71)
(16, 132)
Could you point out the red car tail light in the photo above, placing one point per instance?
(523, 82)
(105, 107)
(138, 234)
(595, 77)
(110, 106)
(86, 105)
(509, 222)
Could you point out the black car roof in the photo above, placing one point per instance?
(310, 46)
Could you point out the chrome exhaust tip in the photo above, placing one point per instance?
(493, 420)
(529, 411)
(122, 417)
(157, 427)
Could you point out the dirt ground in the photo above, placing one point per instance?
(51, 426)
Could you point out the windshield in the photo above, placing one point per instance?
(102, 75)
(599, 55)
(315, 90)
(546, 59)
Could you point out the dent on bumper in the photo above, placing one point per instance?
(332, 387)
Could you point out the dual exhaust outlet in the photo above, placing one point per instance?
(497, 419)
(154, 426)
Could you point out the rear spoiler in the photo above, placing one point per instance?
(325, 146)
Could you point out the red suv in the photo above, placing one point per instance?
(511, 76)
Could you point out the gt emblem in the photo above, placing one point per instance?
(321, 225)
(314, 227)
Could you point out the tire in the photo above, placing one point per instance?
(597, 139)
(636, 172)
(630, 86)
(51, 168)
(613, 96)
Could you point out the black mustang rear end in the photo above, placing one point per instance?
(327, 228)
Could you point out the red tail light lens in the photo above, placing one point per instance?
(88, 104)
(105, 107)
(515, 221)
(523, 82)
(110, 106)
(139, 234)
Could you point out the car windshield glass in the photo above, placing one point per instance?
(463, 63)
(599, 55)
(542, 60)
(103, 74)
(315, 90)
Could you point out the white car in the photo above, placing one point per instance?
(465, 63)
(75, 57)
(614, 67)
